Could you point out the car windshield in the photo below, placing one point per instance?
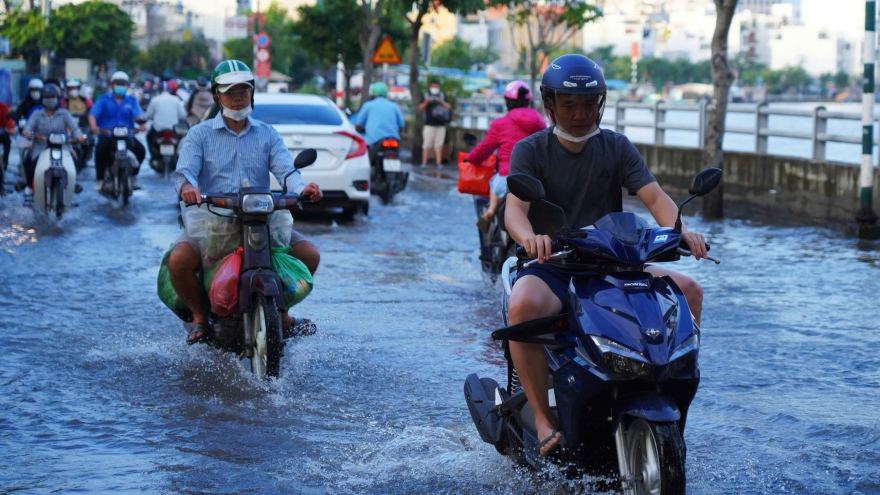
(293, 114)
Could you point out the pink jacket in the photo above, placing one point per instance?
(505, 132)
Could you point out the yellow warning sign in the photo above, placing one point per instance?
(386, 53)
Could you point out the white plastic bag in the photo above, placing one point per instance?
(217, 236)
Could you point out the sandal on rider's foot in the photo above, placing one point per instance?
(77, 189)
(200, 332)
(547, 440)
(300, 327)
(483, 223)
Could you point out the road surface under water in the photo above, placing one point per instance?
(99, 392)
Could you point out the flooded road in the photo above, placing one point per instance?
(99, 392)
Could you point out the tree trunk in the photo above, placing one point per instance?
(369, 38)
(418, 119)
(346, 87)
(722, 77)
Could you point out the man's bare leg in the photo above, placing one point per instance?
(693, 292)
(183, 263)
(531, 298)
(308, 253)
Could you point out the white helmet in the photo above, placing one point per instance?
(119, 76)
(35, 84)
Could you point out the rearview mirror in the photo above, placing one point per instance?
(525, 187)
(305, 158)
(469, 139)
(705, 181)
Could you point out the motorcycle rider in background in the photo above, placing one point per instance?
(78, 105)
(379, 118)
(165, 111)
(145, 94)
(7, 127)
(199, 101)
(23, 111)
(50, 119)
(583, 169)
(113, 109)
(521, 121)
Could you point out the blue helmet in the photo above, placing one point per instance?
(573, 74)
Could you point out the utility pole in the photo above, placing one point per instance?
(44, 53)
(865, 217)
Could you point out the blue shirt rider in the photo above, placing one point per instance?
(379, 117)
(115, 109)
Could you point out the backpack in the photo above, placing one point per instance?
(441, 113)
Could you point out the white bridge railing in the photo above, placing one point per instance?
(750, 119)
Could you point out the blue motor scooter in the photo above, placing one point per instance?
(622, 356)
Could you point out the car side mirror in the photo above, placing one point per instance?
(305, 158)
(705, 181)
(469, 139)
(525, 187)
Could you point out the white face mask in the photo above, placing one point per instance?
(237, 115)
(35, 95)
(74, 93)
(435, 91)
(559, 131)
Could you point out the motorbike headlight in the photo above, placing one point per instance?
(620, 359)
(689, 345)
(120, 132)
(57, 139)
(56, 154)
(258, 203)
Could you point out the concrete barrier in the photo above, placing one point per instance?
(792, 190)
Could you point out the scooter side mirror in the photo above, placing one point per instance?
(305, 158)
(469, 139)
(525, 187)
(181, 128)
(705, 181)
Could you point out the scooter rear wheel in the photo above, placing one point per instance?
(124, 186)
(266, 325)
(655, 457)
(58, 198)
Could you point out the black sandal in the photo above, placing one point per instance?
(203, 329)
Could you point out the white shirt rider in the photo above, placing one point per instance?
(165, 111)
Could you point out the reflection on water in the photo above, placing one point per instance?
(16, 235)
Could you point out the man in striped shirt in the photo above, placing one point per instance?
(222, 155)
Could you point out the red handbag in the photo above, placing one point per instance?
(474, 178)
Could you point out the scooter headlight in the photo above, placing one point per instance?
(120, 132)
(620, 359)
(258, 203)
(57, 139)
(56, 154)
(689, 345)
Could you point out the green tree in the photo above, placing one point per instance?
(841, 80)
(283, 49)
(171, 58)
(549, 26)
(459, 54)
(26, 30)
(98, 31)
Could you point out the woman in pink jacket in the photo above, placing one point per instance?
(520, 122)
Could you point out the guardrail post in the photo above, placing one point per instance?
(702, 122)
(762, 122)
(820, 129)
(659, 119)
(619, 114)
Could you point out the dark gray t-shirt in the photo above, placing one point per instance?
(587, 185)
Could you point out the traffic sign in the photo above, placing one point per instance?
(262, 40)
(262, 55)
(264, 70)
(386, 53)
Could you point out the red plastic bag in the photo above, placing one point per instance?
(474, 178)
(224, 286)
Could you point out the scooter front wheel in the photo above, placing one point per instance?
(266, 326)
(655, 459)
(58, 198)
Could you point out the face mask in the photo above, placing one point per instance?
(559, 131)
(435, 91)
(35, 95)
(237, 115)
(50, 103)
(119, 90)
(74, 93)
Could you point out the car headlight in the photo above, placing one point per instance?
(258, 203)
(120, 132)
(57, 139)
(620, 359)
(689, 345)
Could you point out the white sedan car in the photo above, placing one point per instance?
(310, 121)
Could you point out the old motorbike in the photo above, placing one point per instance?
(168, 145)
(54, 176)
(622, 357)
(387, 176)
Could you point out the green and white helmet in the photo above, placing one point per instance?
(229, 73)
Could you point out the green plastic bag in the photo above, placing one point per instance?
(296, 281)
(167, 293)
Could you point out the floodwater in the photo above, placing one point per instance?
(99, 392)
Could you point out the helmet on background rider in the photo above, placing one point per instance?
(34, 87)
(202, 83)
(227, 74)
(378, 89)
(73, 83)
(119, 82)
(576, 75)
(170, 86)
(517, 94)
(49, 96)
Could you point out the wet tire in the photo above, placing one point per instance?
(124, 185)
(57, 198)
(266, 325)
(655, 454)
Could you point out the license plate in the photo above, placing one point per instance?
(391, 165)
(166, 149)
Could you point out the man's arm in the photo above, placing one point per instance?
(189, 165)
(665, 212)
(181, 111)
(151, 110)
